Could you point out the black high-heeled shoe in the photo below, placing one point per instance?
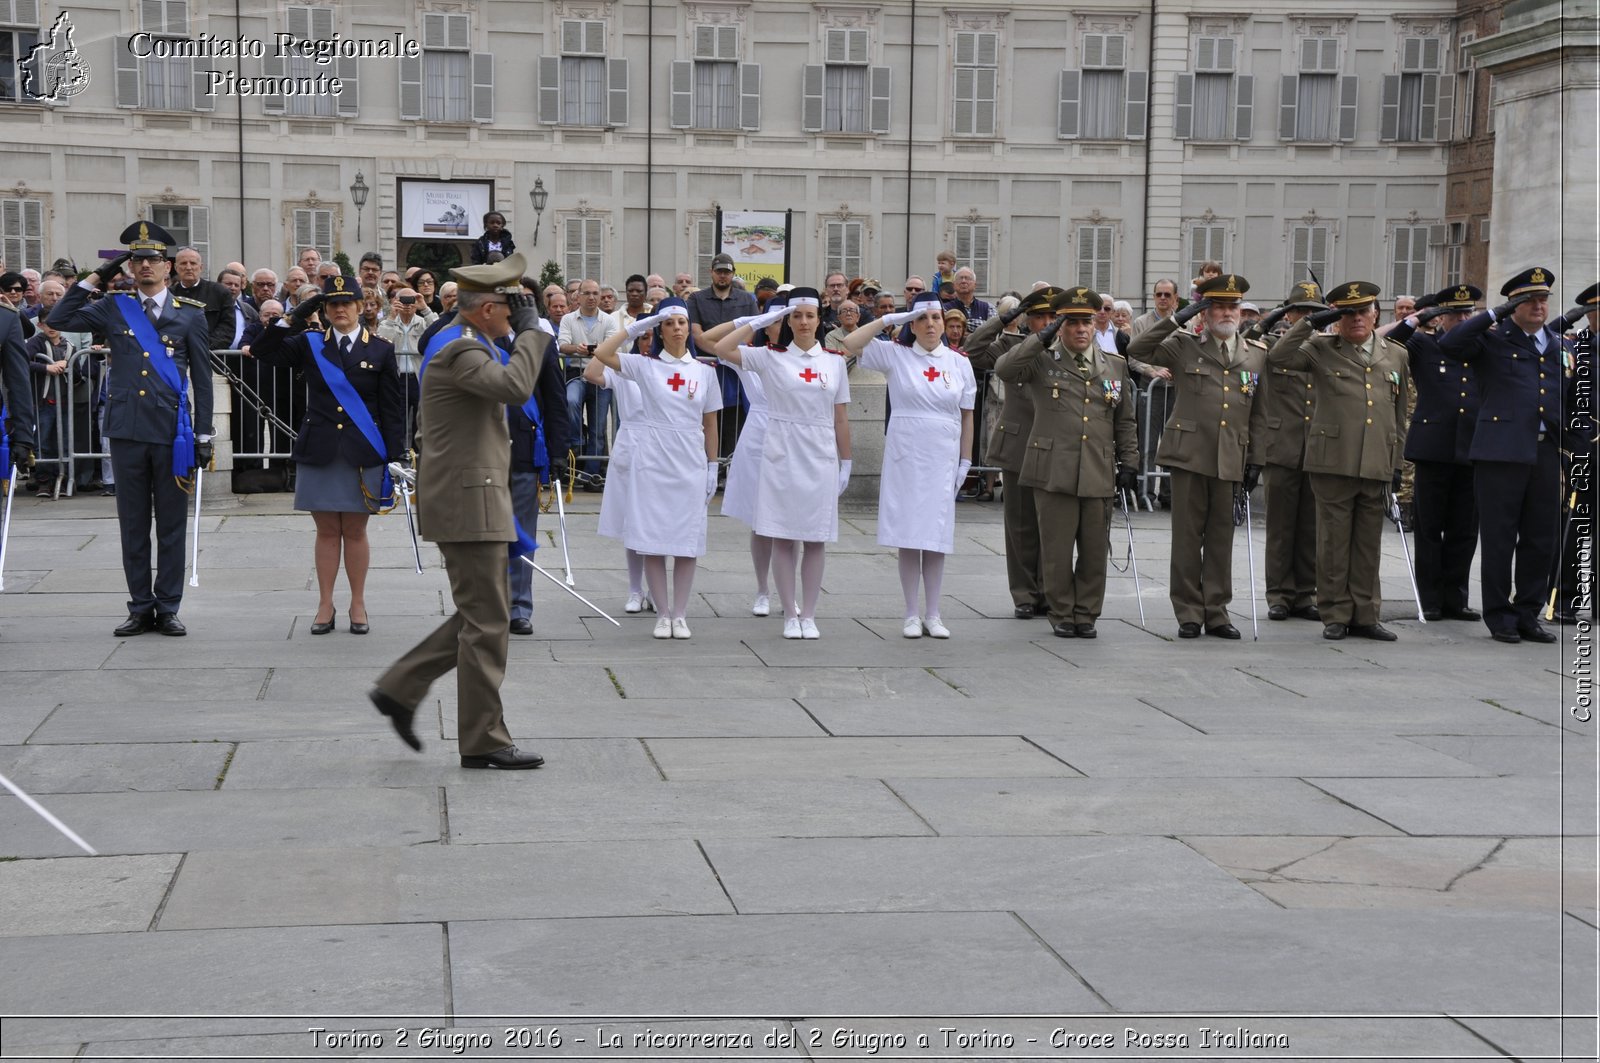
(323, 627)
(359, 627)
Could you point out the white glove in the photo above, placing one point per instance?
(711, 479)
(643, 324)
(962, 467)
(844, 474)
(895, 320)
(761, 321)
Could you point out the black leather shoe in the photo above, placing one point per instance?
(1334, 632)
(1041, 608)
(322, 627)
(1065, 630)
(1537, 633)
(1306, 612)
(1226, 631)
(398, 715)
(1507, 636)
(1375, 632)
(359, 627)
(136, 624)
(1189, 631)
(169, 624)
(510, 759)
(1564, 616)
(1463, 613)
(1024, 612)
(1278, 612)
(1433, 615)
(522, 626)
(1087, 631)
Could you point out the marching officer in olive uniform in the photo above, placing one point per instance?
(1082, 415)
(1568, 595)
(1437, 445)
(1008, 439)
(1516, 449)
(1288, 395)
(1354, 451)
(464, 505)
(1216, 426)
(159, 350)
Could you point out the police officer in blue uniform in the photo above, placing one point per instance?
(1569, 595)
(1437, 445)
(1516, 449)
(159, 349)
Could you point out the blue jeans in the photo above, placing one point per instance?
(525, 504)
(582, 396)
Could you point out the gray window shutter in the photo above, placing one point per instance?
(128, 83)
(458, 32)
(200, 78)
(1389, 114)
(549, 89)
(483, 86)
(302, 230)
(1244, 106)
(1445, 125)
(1430, 107)
(878, 110)
(1347, 108)
(200, 232)
(617, 92)
(434, 34)
(984, 103)
(410, 89)
(750, 96)
(1138, 103)
(681, 112)
(1183, 105)
(1067, 111)
(811, 81)
(1289, 95)
(274, 65)
(348, 70)
(961, 123)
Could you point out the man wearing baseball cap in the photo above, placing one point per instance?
(708, 308)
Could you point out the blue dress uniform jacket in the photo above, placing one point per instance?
(1521, 387)
(1447, 400)
(139, 406)
(18, 390)
(327, 434)
(550, 392)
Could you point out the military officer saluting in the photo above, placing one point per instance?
(1437, 445)
(1354, 450)
(159, 350)
(1008, 440)
(1516, 449)
(1216, 423)
(1082, 415)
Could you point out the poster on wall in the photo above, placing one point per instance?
(443, 210)
(758, 243)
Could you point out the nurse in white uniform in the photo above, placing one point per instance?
(744, 468)
(932, 391)
(614, 501)
(805, 457)
(672, 473)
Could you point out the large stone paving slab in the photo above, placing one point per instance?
(22, 717)
(971, 874)
(688, 759)
(1545, 754)
(383, 761)
(1223, 756)
(78, 895)
(1057, 714)
(211, 721)
(102, 985)
(1529, 804)
(436, 883)
(188, 821)
(137, 689)
(1130, 806)
(789, 679)
(775, 965)
(737, 809)
(1401, 714)
(46, 769)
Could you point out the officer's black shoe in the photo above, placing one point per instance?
(1024, 612)
(136, 624)
(1278, 612)
(1334, 632)
(1065, 630)
(510, 758)
(1375, 632)
(323, 627)
(1507, 636)
(1306, 612)
(522, 626)
(1225, 631)
(1564, 616)
(169, 624)
(1188, 630)
(399, 716)
(1537, 633)
(1464, 613)
(1432, 615)
(1087, 631)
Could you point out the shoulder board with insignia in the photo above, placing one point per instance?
(841, 354)
(467, 333)
(186, 301)
(1257, 343)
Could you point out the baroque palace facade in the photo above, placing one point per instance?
(1110, 143)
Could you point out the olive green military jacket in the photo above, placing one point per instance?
(1358, 424)
(1008, 436)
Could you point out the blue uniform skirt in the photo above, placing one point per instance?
(336, 487)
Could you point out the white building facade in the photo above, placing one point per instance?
(1102, 145)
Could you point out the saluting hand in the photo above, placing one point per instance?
(110, 271)
(1182, 316)
(1323, 318)
(1272, 319)
(304, 310)
(771, 317)
(1504, 309)
(642, 325)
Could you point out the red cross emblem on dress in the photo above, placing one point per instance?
(676, 381)
(809, 375)
(932, 374)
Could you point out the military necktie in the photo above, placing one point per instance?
(151, 310)
(344, 346)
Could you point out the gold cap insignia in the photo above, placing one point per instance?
(1538, 276)
(144, 231)
(1353, 292)
(338, 283)
(1233, 284)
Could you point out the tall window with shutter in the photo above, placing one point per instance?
(309, 23)
(1408, 273)
(1212, 101)
(19, 33)
(1309, 248)
(582, 86)
(188, 225)
(1096, 246)
(843, 240)
(972, 242)
(22, 233)
(1103, 100)
(448, 82)
(1466, 88)
(1455, 253)
(313, 227)
(584, 249)
(705, 249)
(1317, 104)
(844, 94)
(1418, 102)
(977, 61)
(1207, 243)
(161, 84)
(714, 90)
